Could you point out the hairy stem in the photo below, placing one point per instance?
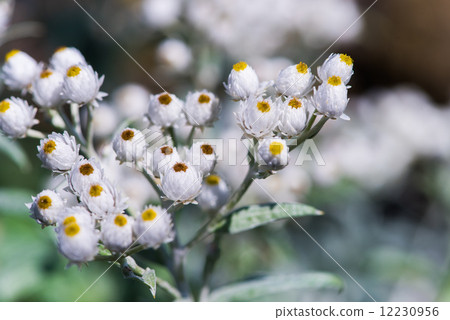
(190, 138)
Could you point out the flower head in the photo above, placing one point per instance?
(16, 117)
(153, 226)
(65, 57)
(202, 156)
(273, 154)
(164, 157)
(337, 64)
(129, 145)
(165, 110)
(58, 152)
(117, 232)
(202, 108)
(294, 115)
(330, 99)
(215, 193)
(181, 182)
(242, 82)
(47, 88)
(45, 207)
(295, 80)
(19, 70)
(83, 174)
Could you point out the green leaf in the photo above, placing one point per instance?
(253, 216)
(149, 278)
(255, 290)
(14, 151)
(12, 201)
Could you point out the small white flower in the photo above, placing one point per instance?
(202, 156)
(164, 157)
(336, 65)
(202, 108)
(83, 174)
(16, 117)
(47, 88)
(132, 100)
(174, 54)
(58, 152)
(181, 182)
(258, 117)
(76, 214)
(19, 70)
(117, 232)
(82, 85)
(330, 99)
(153, 227)
(215, 193)
(295, 80)
(161, 13)
(242, 82)
(129, 145)
(273, 154)
(164, 110)
(65, 57)
(294, 115)
(45, 207)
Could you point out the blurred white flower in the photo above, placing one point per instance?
(16, 117)
(131, 100)
(47, 89)
(117, 232)
(19, 70)
(6, 10)
(294, 115)
(295, 80)
(161, 13)
(129, 145)
(58, 152)
(153, 226)
(273, 153)
(165, 110)
(45, 207)
(65, 57)
(330, 99)
(340, 65)
(202, 156)
(242, 82)
(202, 108)
(174, 54)
(181, 183)
(105, 120)
(215, 193)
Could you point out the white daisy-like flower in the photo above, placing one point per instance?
(82, 85)
(83, 174)
(215, 193)
(129, 145)
(45, 207)
(174, 54)
(47, 88)
(58, 152)
(181, 183)
(330, 99)
(295, 80)
(337, 64)
(117, 232)
(76, 214)
(19, 70)
(16, 117)
(242, 82)
(273, 154)
(153, 226)
(164, 110)
(294, 115)
(202, 108)
(164, 157)
(65, 57)
(202, 156)
(258, 117)
(131, 100)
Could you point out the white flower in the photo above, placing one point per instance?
(47, 88)
(16, 117)
(258, 117)
(129, 145)
(58, 152)
(330, 99)
(45, 207)
(65, 57)
(103, 199)
(19, 70)
(202, 156)
(181, 182)
(153, 227)
(132, 100)
(82, 85)
(164, 110)
(105, 120)
(117, 232)
(175, 54)
(215, 193)
(202, 108)
(6, 9)
(294, 115)
(163, 158)
(161, 13)
(295, 80)
(273, 154)
(76, 214)
(242, 82)
(83, 174)
(336, 65)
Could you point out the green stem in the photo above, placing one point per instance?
(153, 183)
(190, 137)
(310, 131)
(70, 128)
(212, 257)
(90, 130)
(35, 134)
(171, 132)
(75, 113)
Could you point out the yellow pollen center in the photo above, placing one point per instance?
(49, 146)
(4, 105)
(294, 103)
(44, 202)
(46, 74)
(334, 80)
(302, 67)
(207, 149)
(149, 215)
(120, 220)
(127, 134)
(275, 148)
(95, 190)
(204, 98)
(347, 59)
(263, 106)
(212, 180)
(72, 229)
(11, 54)
(240, 66)
(69, 220)
(73, 71)
(60, 49)
(165, 99)
(86, 169)
(179, 166)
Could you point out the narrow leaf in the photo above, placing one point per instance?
(149, 278)
(14, 151)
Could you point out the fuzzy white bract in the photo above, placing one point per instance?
(16, 117)
(181, 183)
(337, 64)
(295, 80)
(83, 174)
(76, 214)
(273, 154)
(153, 226)
(47, 88)
(330, 99)
(202, 156)
(202, 108)
(242, 82)
(117, 232)
(19, 70)
(164, 110)
(129, 145)
(215, 193)
(58, 152)
(164, 157)
(294, 115)
(45, 207)
(65, 57)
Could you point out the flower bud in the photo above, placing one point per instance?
(117, 232)
(202, 156)
(164, 157)
(164, 110)
(47, 88)
(273, 154)
(295, 80)
(45, 207)
(294, 115)
(129, 145)
(201, 108)
(242, 82)
(330, 99)
(58, 152)
(336, 65)
(181, 182)
(19, 70)
(16, 117)
(215, 193)
(83, 174)
(153, 226)
(65, 57)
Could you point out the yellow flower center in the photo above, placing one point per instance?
(275, 148)
(69, 220)
(95, 190)
(240, 66)
(204, 98)
(207, 149)
(263, 106)
(73, 71)
(166, 150)
(44, 202)
(86, 169)
(127, 134)
(334, 80)
(347, 59)
(72, 229)
(179, 166)
(212, 180)
(49, 146)
(11, 54)
(60, 49)
(294, 103)
(120, 220)
(149, 215)
(45, 74)
(4, 105)
(165, 99)
(302, 67)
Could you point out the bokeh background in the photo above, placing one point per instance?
(384, 187)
